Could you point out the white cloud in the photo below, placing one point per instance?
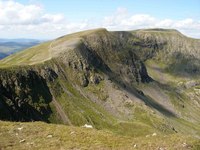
(165, 23)
(122, 20)
(19, 20)
(114, 20)
(138, 20)
(57, 18)
(13, 13)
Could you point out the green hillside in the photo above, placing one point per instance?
(126, 85)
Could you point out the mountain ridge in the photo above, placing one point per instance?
(115, 81)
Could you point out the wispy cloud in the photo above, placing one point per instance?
(32, 20)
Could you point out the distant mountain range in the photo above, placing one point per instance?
(10, 46)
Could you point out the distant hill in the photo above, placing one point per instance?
(3, 55)
(10, 46)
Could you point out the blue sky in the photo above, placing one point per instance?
(83, 9)
(63, 16)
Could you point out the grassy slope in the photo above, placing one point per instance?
(36, 54)
(45, 51)
(39, 135)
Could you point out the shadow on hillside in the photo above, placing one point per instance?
(184, 65)
(146, 99)
(97, 62)
(30, 102)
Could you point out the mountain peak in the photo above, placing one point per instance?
(55, 48)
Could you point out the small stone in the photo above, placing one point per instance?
(87, 126)
(135, 145)
(94, 79)
(72, 132)
(20, 128)
(147, 136)
(22, 141)
(83, 81)
(154, 134)
(186, 145)
(49, 136)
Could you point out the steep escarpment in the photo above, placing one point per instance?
(102, 78)
(116, 53)
(25, 95)
(172, 40)
(45, 93)
(104, 51)
(178, 52)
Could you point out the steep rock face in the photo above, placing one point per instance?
(116, 54)
(108, 53)
(98, 49)
(170, 47)
(25, 95)
(172, 40)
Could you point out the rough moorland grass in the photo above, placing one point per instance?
(37, 135)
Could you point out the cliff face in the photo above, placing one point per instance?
(27, 92)
(25, 95)
(97, 77)
(116, 53)
(104, 52)
(170, 47)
